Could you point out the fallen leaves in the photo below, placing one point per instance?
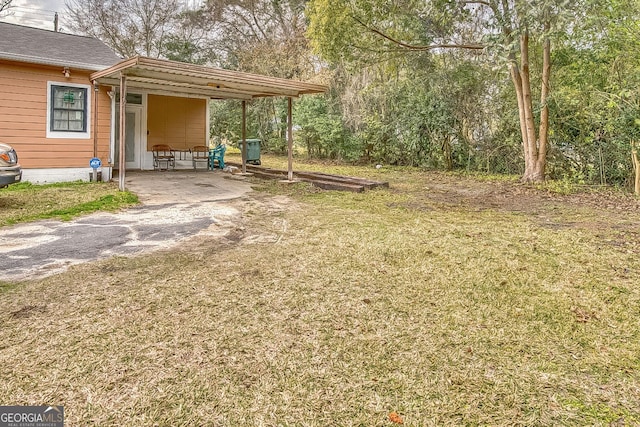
(583, 315)
(394, 417)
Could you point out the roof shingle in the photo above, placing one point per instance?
(34, 45)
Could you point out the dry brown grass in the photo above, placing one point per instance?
(326, 309)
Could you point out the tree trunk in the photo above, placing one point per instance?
(517, 84)
(534, 145)
(543, 132)
(636, 167)
(447, 152)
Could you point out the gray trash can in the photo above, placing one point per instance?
(253, 150)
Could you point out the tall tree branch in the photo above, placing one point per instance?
(484, 3)
(418, 47)
(5, 4)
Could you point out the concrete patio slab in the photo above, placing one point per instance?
(175, 205)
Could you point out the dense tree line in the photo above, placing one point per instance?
(540, 88)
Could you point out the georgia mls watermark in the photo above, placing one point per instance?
(31, 416)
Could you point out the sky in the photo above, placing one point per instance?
(34, 13)
(40, 13)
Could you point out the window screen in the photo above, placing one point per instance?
(68, 109)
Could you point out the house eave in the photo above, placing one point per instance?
(51, 62)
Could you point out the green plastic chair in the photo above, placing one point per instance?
(217, 153)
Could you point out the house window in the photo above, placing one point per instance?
(68, 110)
(132, 98)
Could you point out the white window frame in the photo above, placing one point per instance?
(66, 134)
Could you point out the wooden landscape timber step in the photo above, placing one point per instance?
(321, 180)
(367, 183)
(333, 185)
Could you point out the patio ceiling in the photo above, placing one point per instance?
(182, 79)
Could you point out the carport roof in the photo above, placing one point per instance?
(182, 79)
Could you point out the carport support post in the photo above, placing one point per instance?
(123, 122)
(290, 139)
(95, 126)
(244, 137)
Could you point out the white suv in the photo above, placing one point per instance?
(10, 171)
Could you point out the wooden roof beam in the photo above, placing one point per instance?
(173, 90)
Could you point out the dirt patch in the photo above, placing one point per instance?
(28, 311)
(589, 208)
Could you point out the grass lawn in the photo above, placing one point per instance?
(443, 300)
(26, 202)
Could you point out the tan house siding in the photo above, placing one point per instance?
(178, 122)
(23, 117)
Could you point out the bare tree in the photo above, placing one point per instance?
(190, 40)
(130, 27)
(5, 4)
(265, 36)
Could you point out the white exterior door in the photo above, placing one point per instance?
(133, 138)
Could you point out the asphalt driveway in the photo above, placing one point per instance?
(175, 205)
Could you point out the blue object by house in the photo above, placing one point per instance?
(217, 153)
(95, 163)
